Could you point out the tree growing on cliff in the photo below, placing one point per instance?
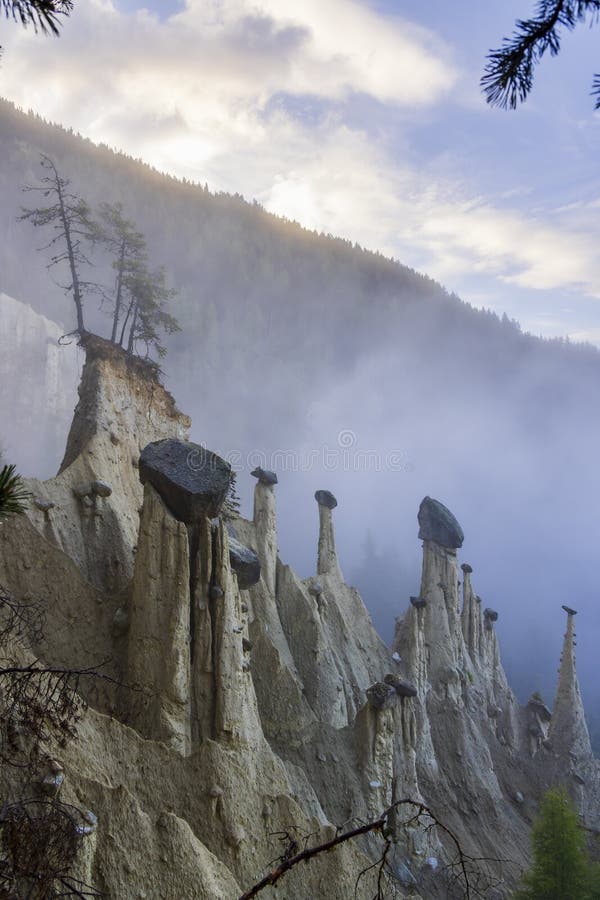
(69, 218)
(127, 247)
(560, 868)
(139, 300)
(141, 295)
(508, 75)
(147, 316)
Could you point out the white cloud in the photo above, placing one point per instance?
(587, 335)
(196, 95)
(228, 51)
(541, 251)
(329, 48)
(192, 95)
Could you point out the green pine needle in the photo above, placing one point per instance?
(13, 495)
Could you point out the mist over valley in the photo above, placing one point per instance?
(341, 369)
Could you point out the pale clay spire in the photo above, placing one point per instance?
(265, 523)
(568, 729)
(327, 562)
(471, 615)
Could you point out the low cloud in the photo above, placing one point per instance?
(541, 251)
(215, 93)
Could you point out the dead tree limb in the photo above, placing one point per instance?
(462, 866)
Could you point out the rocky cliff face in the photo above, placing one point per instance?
(38, 384)
(254, 704)
(91, 509)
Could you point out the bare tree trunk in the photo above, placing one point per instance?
(71, 256)
(131, 340)
(119, 297)
(123, 329)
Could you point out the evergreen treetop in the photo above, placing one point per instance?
(560, 868)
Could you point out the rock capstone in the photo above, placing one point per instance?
(90, 823)
(191, 480)
(245, 563)
(264, 475)
(381, 695)
(101, 488)
(402, 687)
(418, 602)
(326, 498)
(538, 706)
(437, 523)
(83, 490)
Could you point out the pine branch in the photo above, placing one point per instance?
(41, 14)
(13, 495)
(508, 75)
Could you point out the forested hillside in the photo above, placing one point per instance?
(295, 343)
(249, 285)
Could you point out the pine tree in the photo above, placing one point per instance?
(127, 246)
(146, 315)
(141, 295)
(69, 217)
(594, 891)
(560, 869)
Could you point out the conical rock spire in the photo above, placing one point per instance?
(568, 729)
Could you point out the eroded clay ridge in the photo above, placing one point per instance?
(251, 699)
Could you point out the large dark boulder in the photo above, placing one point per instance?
(192, 481)
(436, 523)
(537, 705)
(245, 563)
(265, 476)
(489, 617)
(326, 498)
(402, 687)
(381, 695)
(418, 602)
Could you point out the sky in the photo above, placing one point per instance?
(360, 118)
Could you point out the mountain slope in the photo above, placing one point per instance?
(238, 711)
(347, 370)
